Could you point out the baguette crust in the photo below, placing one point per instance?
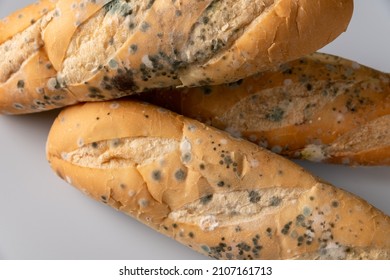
(320, 107)
(20, 20)
(223, 197)
(102, 50)
(27, 78)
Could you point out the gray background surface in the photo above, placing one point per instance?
(41, 217)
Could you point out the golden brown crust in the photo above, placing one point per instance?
(102, 50)
(23, 18)
(28, 80)
(224, 197)
(33, 88)
(320, 107)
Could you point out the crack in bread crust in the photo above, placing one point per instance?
(279, 107)
(19, 49)
(235, 207)
(120, 153)
(100, 38)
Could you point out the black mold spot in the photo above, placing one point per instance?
(180, 175)
(133, 49)
(300, 240)
(254, 197)
(124, 81)
(116, 142)
(20, 84)
(111, 6)
(216, 45)
(275, 201)
(145, 26)
(243, 247)
(275, 115)
(95, 93)
(207, 90)
(221, 184)
(286, 228)
(255, 239)
(206, 199)
(228, 161)
(156, 175)
(216, 252)
(186, 157)
(150, 4)
(300, 218)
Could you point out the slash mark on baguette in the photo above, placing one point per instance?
(372, 135)
(279, 107)
(105, 33)
(121, 153)
(235, 207)
(18, 49)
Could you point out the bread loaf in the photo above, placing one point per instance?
(223, 197)
(320, 107)
(97, 50)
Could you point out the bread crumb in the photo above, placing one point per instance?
(208, 223)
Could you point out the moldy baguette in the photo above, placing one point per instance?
(99, 50)
(224, 197)
(320, 107)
